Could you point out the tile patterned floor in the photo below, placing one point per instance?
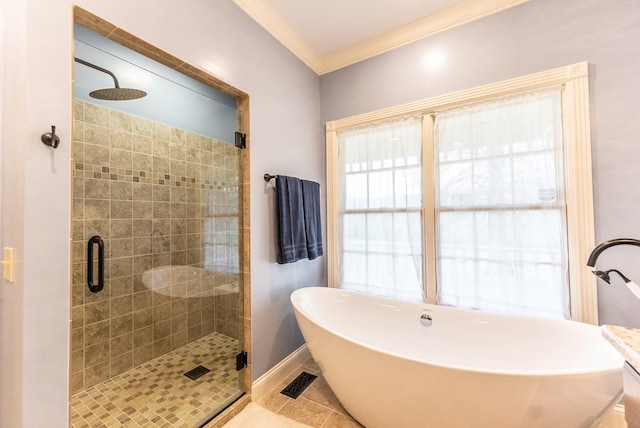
(157, 394)
(317, 406)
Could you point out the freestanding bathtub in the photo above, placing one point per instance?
(466, 369)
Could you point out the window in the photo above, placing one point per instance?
(380, 209)
(479, 199)
(500, 209)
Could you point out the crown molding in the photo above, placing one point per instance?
(270, 20)
(460, 14)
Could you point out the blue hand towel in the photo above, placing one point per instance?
(313, 228)
(292, 241)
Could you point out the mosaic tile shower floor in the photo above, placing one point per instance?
(157, 394)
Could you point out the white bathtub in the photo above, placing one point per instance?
(467, 369)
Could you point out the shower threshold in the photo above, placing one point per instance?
(158, 394)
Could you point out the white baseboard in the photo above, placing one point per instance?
(265, 383)
(615, 418)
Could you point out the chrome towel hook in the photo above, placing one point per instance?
(50, 138)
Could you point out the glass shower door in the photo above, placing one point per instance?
(158, 343)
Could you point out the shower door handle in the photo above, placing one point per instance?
(93, 287)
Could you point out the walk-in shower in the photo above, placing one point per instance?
(157, 290)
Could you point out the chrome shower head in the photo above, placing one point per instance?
(112, 94)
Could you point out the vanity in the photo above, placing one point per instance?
(627, 341)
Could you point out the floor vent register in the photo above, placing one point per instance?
(298, 385)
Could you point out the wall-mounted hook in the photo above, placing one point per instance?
(50, 138)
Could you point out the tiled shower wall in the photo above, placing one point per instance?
(159, 197)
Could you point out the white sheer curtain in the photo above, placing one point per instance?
(380, 227)
(500, 206)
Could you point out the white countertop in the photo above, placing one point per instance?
(626, 340)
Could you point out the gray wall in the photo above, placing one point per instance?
(533, 37)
